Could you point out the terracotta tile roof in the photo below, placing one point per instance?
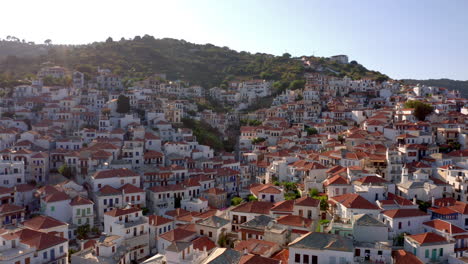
(215, 191)
(43, 241)
(122, 211)
(8, 208)
(428, 238)
(79, 200)
(444, 226)
(282, 255)
(447, 201)
(284, 206)
(177, 212)
(307, 201)
(255, 246)
(157, 220)
(130, 188)
(257, 188)
(372, 180)
(460, 207)
(203, 242)
(443, 211)
(336, 180)
(355, 201)
(177, 234)
(56, 197)
(109, 190)
(255, 259)
(294, 220)
(404, 257)
(255, 207)
(399, 200)
(114, 173)
(401, 213)
(42, 222)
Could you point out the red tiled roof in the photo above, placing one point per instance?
(256, 207)
(307, 201)
(353, 200)
(215, 191)
(336, 180)
(284, 206)
(444, 226)
(203, 242)
(177, 234)
(114, 173)
(56, 197)
(78, 200)
(108, 190)
(43, 222)
(282, 255)
(7, 208)
(130, 188)
(255, 246)
(294, 220)
(401, 213)
(428, 238)
(43, 241)
(157, 220)
(403, 257)
(122, 211)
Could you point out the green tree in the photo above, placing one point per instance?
(421, 109)
(123, 104)
(252, 198)
(313, 192)
(83, 231)
(311, 131)
(297, 84)
(236, 201)
(65, 171)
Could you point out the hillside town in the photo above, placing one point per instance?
(340, 170)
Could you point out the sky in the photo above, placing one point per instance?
(420, 39)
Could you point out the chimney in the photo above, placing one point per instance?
(81, 242)
(245, 251)
(414, 200)
(432, 201)
(204, 249)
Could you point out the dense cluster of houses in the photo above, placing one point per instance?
(339, 172)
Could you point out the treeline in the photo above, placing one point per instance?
(207, 65)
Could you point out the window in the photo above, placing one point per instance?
(105, 201)
(409, 223)
(61, 249)
(88, 210)
(426, 254)
(44, 255)
(210, 234)
(305, 259)
(399, 225)
(441, 252)
(52, 208)
(379, 252)
(77, 211)
(297, 258)
(201, 232)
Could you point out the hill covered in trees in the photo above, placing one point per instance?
(461, 86)
(207, 65)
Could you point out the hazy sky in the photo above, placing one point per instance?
(404, 39)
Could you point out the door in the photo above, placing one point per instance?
(52, 254)
(367, 254)
(314, 260)
(434, 254)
